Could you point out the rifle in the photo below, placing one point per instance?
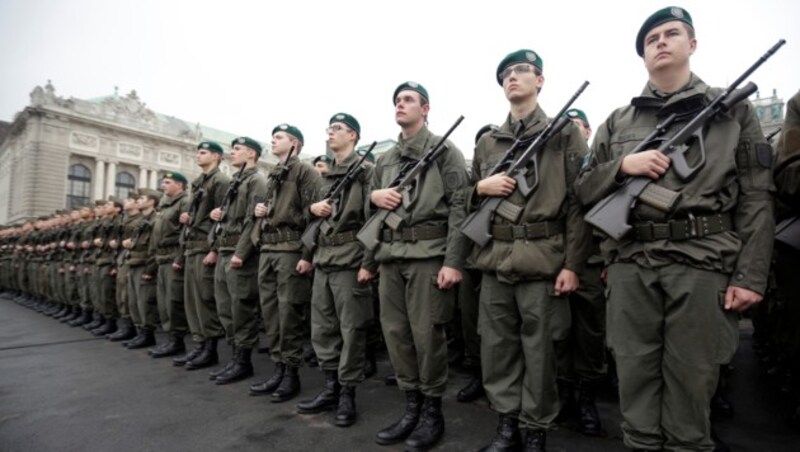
(230, 195)
(477, 225)
(772, 135)
(369, 234)
(197, 197)
(610, 215)
(137, 235)
(276, 179)
(309, 237)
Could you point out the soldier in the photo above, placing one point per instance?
(284, 265)
(322, 163)
(126, 304)
(82, 240)
(105, 276)
(208, 191)
(787, 256)
(143, 272)
(73, 249)
(342, 299)
(235, 277)
(531, 263)
(581, 356)
(165, 245)
(673, 295)
(420, 263)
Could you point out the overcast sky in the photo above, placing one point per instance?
(245, 67)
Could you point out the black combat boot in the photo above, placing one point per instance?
(588, 419)
(173, 347)
(535, 441)
(125, 332)
(55, 309)
(430, 428)
(473, 390)
(108, 327)
(289, 387)
(268, 386)
(242, 368)
(569, 405)
(65, 310)
(207, 357)
(98, 320)
(86, 317)
(76, 312)
(326, 400)
(145, 339)
(400, 430)
(216, 373)
(346, 411)
(181, 361)
(508, 437)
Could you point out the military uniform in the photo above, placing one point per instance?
(666, 323)
(520, 314)
(142, 293)
(201, 308)
(125, 302)
(165, 246)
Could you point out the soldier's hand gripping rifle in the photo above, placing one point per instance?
(197, 197)
(333, 198)
(274, 182)
(478, 224)
(610, 214)
(370, 234)
(230, 196)
(141, 228)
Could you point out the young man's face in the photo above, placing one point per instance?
(282, 143)
(339, 136)
(521, 82)
(322, 168)
(408, 108)
(204, 157)
(668, 46)
(240, 154)
(170, 187)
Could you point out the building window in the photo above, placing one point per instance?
(80, 182)
(760, 113)
(777, 113)
(125, 183)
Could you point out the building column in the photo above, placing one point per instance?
(142, 182)
(153, 179)
(99, 179)
(111, 179)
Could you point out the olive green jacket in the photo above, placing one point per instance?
(165, 243)
(238, 221)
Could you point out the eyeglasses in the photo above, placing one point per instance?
(336, 128)
(518, 69)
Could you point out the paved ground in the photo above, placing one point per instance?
(62, 390)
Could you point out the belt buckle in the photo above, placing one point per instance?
(412, 235)
(694, 231)
(519, 232)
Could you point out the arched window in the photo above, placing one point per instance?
(125, 183)
(80, 182)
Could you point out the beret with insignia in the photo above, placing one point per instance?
(177, 177)
(249, 142)
(100, 202)
(291, 130)
(659, 17)
(155, 195)
(520, 56)
(413, 86)
(348, 120)
(322, 158)
(574, 113)
(133, 194)
(211, 146)
(117, 202)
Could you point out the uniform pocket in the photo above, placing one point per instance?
(441, 303)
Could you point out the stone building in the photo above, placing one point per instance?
(60, 152)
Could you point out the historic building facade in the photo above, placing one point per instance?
(61, 152)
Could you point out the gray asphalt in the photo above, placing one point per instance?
(63, 390)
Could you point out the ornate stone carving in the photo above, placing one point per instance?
(168, 158)
(84, 141)
(130, 151)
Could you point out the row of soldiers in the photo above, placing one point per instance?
(537, 295)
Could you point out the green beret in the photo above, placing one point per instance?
(150, 193)
(574, 113)
(370, 157)
(483, 130)
(211, 146)
(117, 202)
(291, 130)
(659, 17)
(520, 56)
(177, 177)
(347, 119)
(133, 194)
(249, 142)
(413, 86)
(100, 202)
(322, 158)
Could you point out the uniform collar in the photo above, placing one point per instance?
(340, 169)
(686, 100)
(415, 146)
(532, 124)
